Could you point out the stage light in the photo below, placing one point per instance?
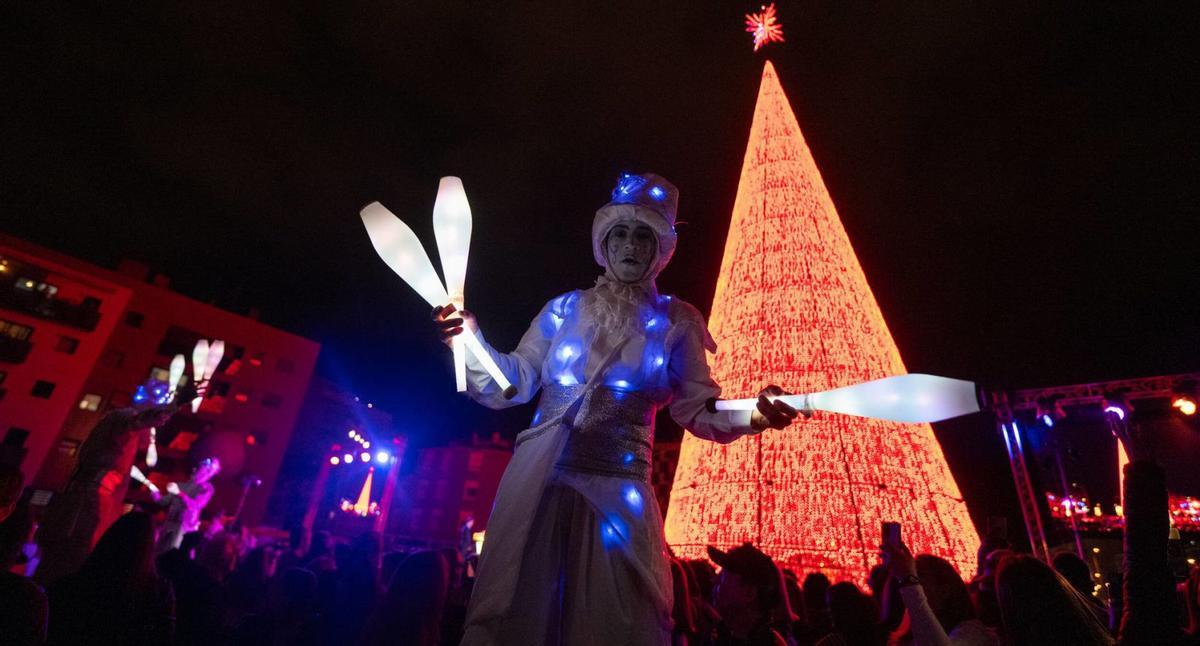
(351, 434)
(366, 457)
(335, 460)
(366, 445)
(347, 458)
(1115, 410)
(1185, 405)
(382, 457)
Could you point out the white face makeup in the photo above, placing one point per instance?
(630, 250)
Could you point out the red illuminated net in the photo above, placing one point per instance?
(793, 307)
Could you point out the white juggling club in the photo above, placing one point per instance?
(452, 230)
(913, 399)
(216, 350)
(199, 359)
(175, 374)
(137, 474)
(400, 250)
(152, 450)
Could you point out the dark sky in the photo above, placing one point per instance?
(1019, 182)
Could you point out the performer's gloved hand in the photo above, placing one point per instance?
(448, 328)
(771, 412)
(187, 392)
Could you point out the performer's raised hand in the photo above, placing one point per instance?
(450, 322)
(772, 412)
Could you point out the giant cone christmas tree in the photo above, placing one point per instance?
(793, 307)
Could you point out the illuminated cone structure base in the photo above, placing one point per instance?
(792, 307)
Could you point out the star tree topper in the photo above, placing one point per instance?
(765, 26)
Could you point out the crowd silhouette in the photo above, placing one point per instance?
(228, 588)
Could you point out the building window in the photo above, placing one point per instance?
(68, 447)
(67, 345)
(285, 365)
(178, 340)
(134, 319)
(15, 331)
(159, 374)
(114, 358)
(475, 461)
(3, 374)
(271, 400)
(42, 389)
(470, 490)
(15, 437)
(90, 402)
(218, 389)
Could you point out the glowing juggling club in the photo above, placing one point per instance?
(913, 398)
(175, 374)
(216, 350)
(401, 251)
(452, 230)
(152, 450)
(137, 474)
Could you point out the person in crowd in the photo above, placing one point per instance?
(939, 606)
(299, 538)
(798, 629)
(575, 534)
(92, 499)
(23, 606)
(816, 605)
(983, 590)
(248, 585)
(116, 597)
(701, 576)
(747, 595)
(886, 596)
(1076, 571)
(1191, 602)
(1150, 613)
(1039, 607)
(205, 614)
(185, 502)
(411, 611)
(357, 586)
(320, 553)
(684, 631)
(854, 617)
(290, 617)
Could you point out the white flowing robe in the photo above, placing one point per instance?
(575, 552)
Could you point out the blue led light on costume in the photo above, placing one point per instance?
(627, 457)
(658, 361)
(632, 498)
(567, 379)
(567, 351)
(1048, 421)
(621, 384)
(613, 532)
(140, 395)
(627, 185)
(657, 193)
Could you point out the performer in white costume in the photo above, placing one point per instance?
(575, 551)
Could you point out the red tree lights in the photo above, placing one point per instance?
(793, 307)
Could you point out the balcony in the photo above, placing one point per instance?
(13, 350)
(84, 315)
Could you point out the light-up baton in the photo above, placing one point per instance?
(452, 230)
(914, 399)
(137, 474)
(400, 250)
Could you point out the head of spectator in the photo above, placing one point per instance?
(294, 592)
(704, 575)
(15, 531)
(1192, 602)
(12, 481)
(749, 592)
(1038, 606)
(945, 590)
(794, 594)
(299, 539)
(125, 552)
(454, 560)
(219, 555)
(411, 611)
(682, 611)
(854, 615)
(1075, 571)
(816, 585)
(320, 546)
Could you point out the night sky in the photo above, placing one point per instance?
(1019, 182)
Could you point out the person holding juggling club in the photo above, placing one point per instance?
(92, 500)
(575, 549)
(185, 502)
